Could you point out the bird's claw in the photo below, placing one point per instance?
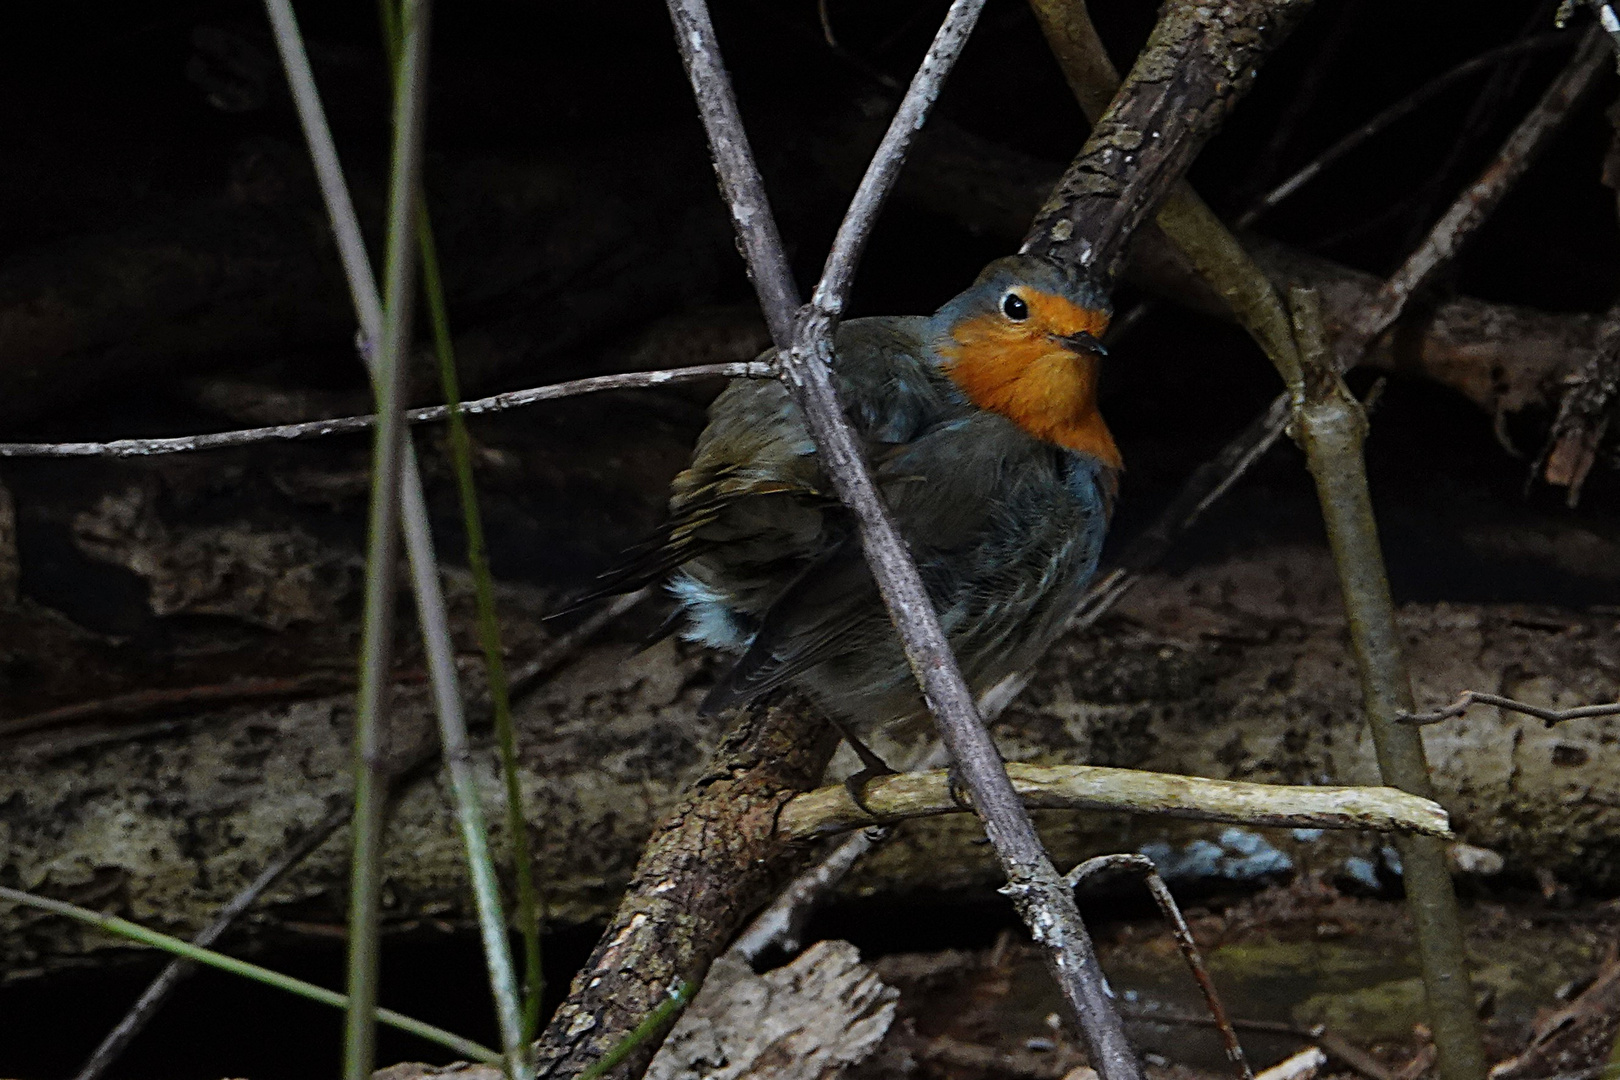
(872, 767)
(855, 784)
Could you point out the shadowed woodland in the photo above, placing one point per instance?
(1423, 196)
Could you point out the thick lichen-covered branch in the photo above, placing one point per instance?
(1197, 64)
(715, 858)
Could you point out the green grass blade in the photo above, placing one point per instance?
(489, 633)
(383, 542)
(112, 924)
(655, 1020)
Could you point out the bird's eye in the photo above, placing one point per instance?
(1013, 306)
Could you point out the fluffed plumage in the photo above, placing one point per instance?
(980, 426)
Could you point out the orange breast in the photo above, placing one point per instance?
(1017, 370)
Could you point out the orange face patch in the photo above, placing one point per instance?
(1019, 369)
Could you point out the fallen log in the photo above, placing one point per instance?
(1232, 670)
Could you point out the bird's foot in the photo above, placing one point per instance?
(961, 793)
(855, 784)
(872, 767)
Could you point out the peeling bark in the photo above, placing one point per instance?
(1198, 63)
(715, 858)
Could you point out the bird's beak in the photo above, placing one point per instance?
(1083, 342)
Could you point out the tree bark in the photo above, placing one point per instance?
(1232, 670)
(714, 859)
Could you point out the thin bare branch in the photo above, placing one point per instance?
(349, 425)
(832, 291)
(805, 348)
(1481, 198)
(1302, 99)
(1141, 864)
(1402, 108)
(1469, 698)
(1093, 787)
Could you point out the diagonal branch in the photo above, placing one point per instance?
(1185, 942)
(1470, 209)
(1197, 64)
(806, 354)
(1491, 58)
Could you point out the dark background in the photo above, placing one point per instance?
(116, 135)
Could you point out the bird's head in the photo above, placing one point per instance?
(1023, 341)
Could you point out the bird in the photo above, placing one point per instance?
(980, 426)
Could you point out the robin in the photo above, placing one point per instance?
(980, 426)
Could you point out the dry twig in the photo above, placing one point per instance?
(1143, 865)
(349, 425)
(1401, 109)
(1469, 698)
(1093, 787)
(1481, 198)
